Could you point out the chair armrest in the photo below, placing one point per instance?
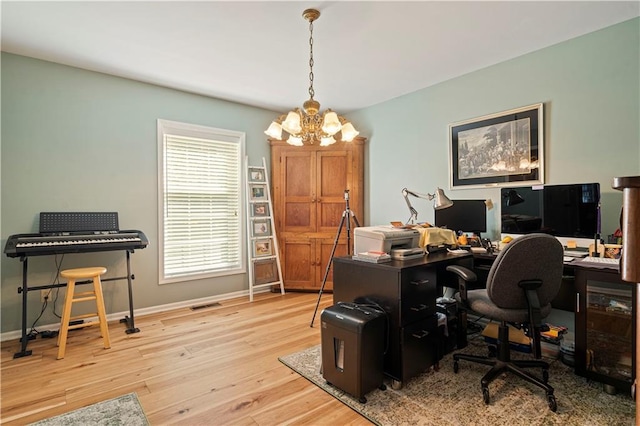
(462, 272)
(465, 275)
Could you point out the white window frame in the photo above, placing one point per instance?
(207, 134)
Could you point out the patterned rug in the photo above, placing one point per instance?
(445, 398)
(124, 410)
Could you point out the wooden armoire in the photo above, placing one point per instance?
(308, 186)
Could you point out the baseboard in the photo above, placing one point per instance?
(17, 334)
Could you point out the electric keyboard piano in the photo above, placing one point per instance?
(42, 245)
(71, 233)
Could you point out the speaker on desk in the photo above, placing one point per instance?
(353, 344)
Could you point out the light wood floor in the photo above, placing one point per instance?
(211, 366)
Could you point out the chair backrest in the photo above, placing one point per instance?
(530, 257)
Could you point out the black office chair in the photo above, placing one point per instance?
(523, 280)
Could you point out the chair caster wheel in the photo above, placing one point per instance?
(383, 387)
(455, 366)
(485, 395)
(362, 400)
(553, 405)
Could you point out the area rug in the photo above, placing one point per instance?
(443, 397)
(124, 410)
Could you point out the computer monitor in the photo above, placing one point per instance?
(571, 210)
(464, 215)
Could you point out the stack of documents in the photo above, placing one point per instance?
(372, 256)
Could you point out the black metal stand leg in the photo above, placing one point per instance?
(326, 272)
(131, 328)
(24, 339)
(346, 217)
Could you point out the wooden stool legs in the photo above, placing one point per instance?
(72, 275)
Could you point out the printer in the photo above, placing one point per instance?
(400, 243)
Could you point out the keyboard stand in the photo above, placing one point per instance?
(25, 289)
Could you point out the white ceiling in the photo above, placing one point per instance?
(257, 53)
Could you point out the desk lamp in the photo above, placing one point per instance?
(513, 198)
(441, 202)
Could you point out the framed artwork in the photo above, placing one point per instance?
(263, 247)
(258, 192)
(259, 209)
(265, 271)
(256, 175)
(261, 228)
(501, 149)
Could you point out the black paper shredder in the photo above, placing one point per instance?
(353, 345)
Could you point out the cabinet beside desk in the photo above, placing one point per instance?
(605, 327)
(407, 291)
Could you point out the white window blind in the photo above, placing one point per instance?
(201, 195)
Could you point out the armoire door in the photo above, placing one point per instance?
(296, 200)
(333, 178)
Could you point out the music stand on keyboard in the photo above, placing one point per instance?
(58, 223)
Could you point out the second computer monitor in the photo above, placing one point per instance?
(464, 215)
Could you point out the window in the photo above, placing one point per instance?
(200, 196)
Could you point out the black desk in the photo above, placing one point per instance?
(407, 291)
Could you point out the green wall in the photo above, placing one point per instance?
(75, 140)
(79, 140)
(590, 87)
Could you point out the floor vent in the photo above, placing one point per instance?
(208, 305)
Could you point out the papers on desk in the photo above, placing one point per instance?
(372, 257)
(457, 251)
(478, 250)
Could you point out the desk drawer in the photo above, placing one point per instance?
(418, 296)
(421, 347)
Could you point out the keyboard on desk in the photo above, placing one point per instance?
(604, 261)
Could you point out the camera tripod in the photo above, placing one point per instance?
(347, 215)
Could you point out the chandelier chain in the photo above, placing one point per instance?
(311, 91)
(307, 125)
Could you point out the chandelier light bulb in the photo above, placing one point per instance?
(274, 131)
(295, 141)
(326, 141)
(331, 125)
(292, 123)
(349, 132)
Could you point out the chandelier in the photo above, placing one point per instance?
(308, 125)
